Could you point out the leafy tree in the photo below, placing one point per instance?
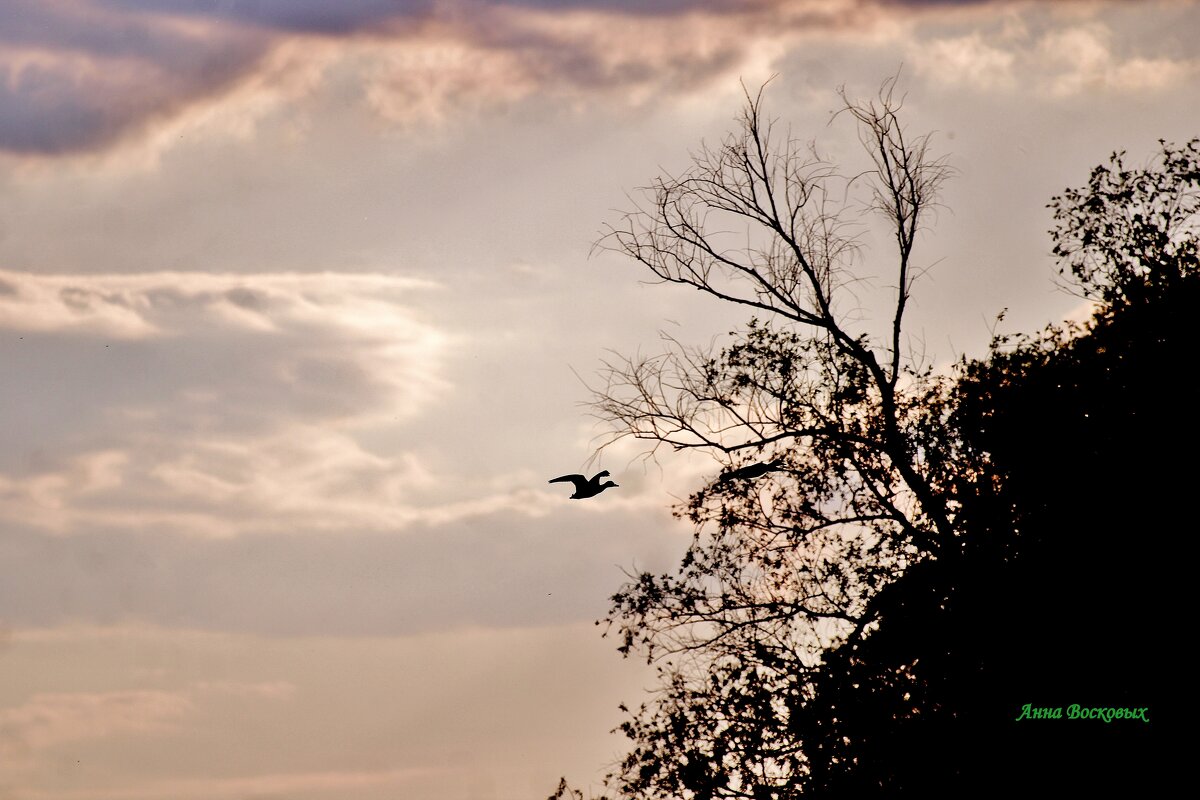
(891, 563)
(1131, 235)
(1061, 591)
(834, 468)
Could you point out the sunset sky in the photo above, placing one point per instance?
(297, 300)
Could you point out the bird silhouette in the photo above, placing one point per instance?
(583, 486)
(752, 471)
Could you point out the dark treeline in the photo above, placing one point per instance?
(902, 582)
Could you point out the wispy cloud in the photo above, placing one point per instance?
(498, 569)
(459, 715)
(149, 305)
(240, 398)
(51, 719)
(1083, 57)
(966, 61)
(1056, 62)
(46, 722)
(268, 785)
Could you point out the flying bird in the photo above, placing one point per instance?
(583, 486)
(752, 471)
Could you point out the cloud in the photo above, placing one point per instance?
(76, 77)
(213, 402)
(222, 405)
(454, 716)
(1083, 58)
(966, 61)
(304, 478)
(157, 305)
(306, 16)
(79, 720)
(1055, 62)
(322, 333)
(50, 719)
(496, 570)
(284, 453)
(265, 785)
(87, 75)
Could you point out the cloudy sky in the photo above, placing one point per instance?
(296, 298)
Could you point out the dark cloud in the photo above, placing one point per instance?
(88, 29)
(96, 76)
(939, 3)
(48, 111)
(103, 69)
(80, 76)
(307, 16)
(45, 112)
(107, 68)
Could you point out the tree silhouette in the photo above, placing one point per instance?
(1132, 234)
(834, 470)
(890, 563)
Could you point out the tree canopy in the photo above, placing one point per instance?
(888, 563)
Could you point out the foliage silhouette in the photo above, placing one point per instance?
(891, 563)
(833, 469)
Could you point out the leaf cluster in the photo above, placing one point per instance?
(1132, 234)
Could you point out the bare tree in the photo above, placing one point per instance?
(833, 463)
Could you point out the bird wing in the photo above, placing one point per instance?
(599, 475)
(578, 480)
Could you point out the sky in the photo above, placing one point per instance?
(299, 306)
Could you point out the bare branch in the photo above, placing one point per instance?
(825, 492)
